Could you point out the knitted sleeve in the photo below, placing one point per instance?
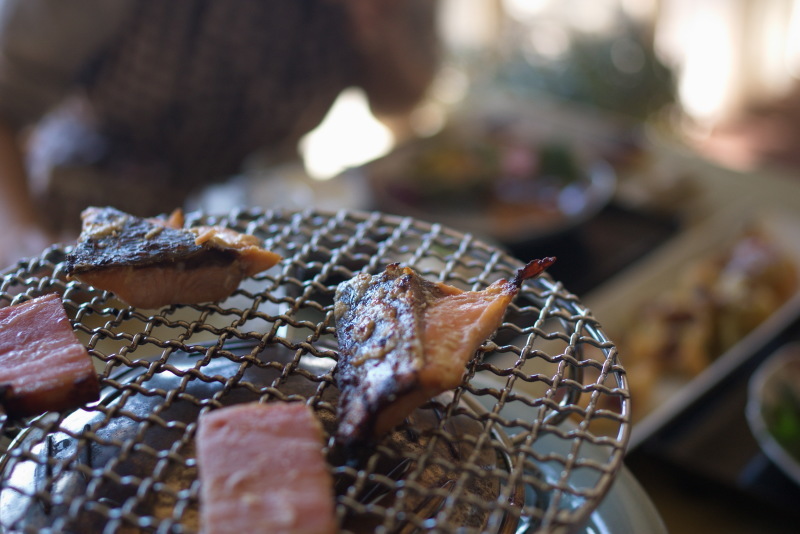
(44, 47)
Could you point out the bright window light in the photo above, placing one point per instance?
(350, 135)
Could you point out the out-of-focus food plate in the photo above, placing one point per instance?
(773, 409)
(493, 178)
(621, 306)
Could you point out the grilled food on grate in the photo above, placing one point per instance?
(149, 263)
(496, 454)
(403, 339)
(444, 468)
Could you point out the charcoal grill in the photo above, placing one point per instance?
(465, 462)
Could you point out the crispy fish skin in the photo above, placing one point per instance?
(111, 238)
(150, 263)
(378, 327)
(403, 339)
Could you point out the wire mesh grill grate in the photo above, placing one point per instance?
(530, 443)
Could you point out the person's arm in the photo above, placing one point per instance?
(398, 48)
(44, 44)
(21, 232)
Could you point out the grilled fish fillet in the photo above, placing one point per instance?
(261, 469)
(151, 263)
(403, 340)
(43, 366)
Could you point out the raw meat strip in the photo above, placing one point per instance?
(43, 366)
(262, 469)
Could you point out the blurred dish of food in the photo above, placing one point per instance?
(694, 311)
(493, 180)
(773, 409)
(716, 301)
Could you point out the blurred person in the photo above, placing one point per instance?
(137, 104)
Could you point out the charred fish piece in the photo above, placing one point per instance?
(403, 340)
(151, 263)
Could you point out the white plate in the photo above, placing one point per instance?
(615, 304)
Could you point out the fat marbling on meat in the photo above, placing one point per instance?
(262, 469)
(43, 365)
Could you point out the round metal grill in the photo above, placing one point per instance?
(531, 441)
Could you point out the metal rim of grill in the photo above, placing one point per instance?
(531, 442)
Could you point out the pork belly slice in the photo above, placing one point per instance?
(262, 469)
(149, 263)
(43, 366)
(403, 340)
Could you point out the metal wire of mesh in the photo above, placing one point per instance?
(531, 441)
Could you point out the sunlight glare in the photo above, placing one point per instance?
(349, 136)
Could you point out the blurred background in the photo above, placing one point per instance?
(653, 146)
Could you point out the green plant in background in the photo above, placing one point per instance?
(619, 73)
(783, 420)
